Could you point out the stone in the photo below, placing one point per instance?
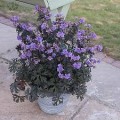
(108, 60)
(95, 111)
(1, 18)
(116, 64)
(100, 56)
(12, 54)
(5, 20)
(5, 76)
(8, 38)
(105, 84)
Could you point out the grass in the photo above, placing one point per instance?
(104, 15)
(9, 9)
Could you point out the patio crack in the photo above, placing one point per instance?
(78, 111)
(111, 106)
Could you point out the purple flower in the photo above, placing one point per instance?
(75, 58)
(83, 50)
(77, 65)
(93, 35)
(82, 21)
(47, 17)
(15, 19)
(22, 45)
(67, 76)
(88, 63)
(54, 27)
(60, 68)
(99, 47)
(88, 25)
(37, 7)
(63, 26)
(91, 49)
(39, 38)
(29, 29)
(53, 55)
(65, 52)
(23, 56)
(93, 60)
(70, 54)
(33, 46)
(44, 26)
(98, 61)
(60, 35)
(44, 10)
(48, 45)
(36, 61)
(61, 76)
(79, 50)
(59, 15)
(28, 54)
(80, 34)
(79, 37)
(49, 51)
(27, 47)
(19, 37)
(28, 38)
(41, 47)
(56, 47)
(50, 58)
(24, 26)
(78, 57)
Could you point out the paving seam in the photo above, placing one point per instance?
(6, 60)
(78, 111)
(103, 103)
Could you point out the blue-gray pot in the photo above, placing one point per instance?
(46, 104)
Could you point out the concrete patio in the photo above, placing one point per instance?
(102, 101)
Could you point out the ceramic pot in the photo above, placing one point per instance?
(46, 104)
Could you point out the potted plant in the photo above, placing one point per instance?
(55, 60)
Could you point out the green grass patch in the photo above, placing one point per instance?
(9, 9)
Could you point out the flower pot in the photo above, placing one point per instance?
(46, 104)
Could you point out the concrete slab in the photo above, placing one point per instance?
(1, 18)
(105, 84)
(10, 54)
(109, 60)
(10, 110)
(8, 37)
(100, 55)
(95, 111)
(117, 64)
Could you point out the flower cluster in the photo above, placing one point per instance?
(60, 70)
(57, 55)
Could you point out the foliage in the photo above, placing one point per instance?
(54, 58)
